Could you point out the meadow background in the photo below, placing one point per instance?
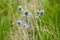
(46, 28)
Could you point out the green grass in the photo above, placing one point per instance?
(45, 28)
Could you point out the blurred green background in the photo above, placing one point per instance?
(49, 23)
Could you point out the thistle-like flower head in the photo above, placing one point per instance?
(20, 8)
(26, 25)
(26, 12)
(19, 22)
(41, 12)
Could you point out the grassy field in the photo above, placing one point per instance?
(47, 27)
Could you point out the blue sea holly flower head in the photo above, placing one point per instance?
(41, 12)
(26, 12)
(19, 22)
(26, 25)
(20, 8)
(24, 15)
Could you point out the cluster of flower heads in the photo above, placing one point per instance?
(26, 14)
(40, 13)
